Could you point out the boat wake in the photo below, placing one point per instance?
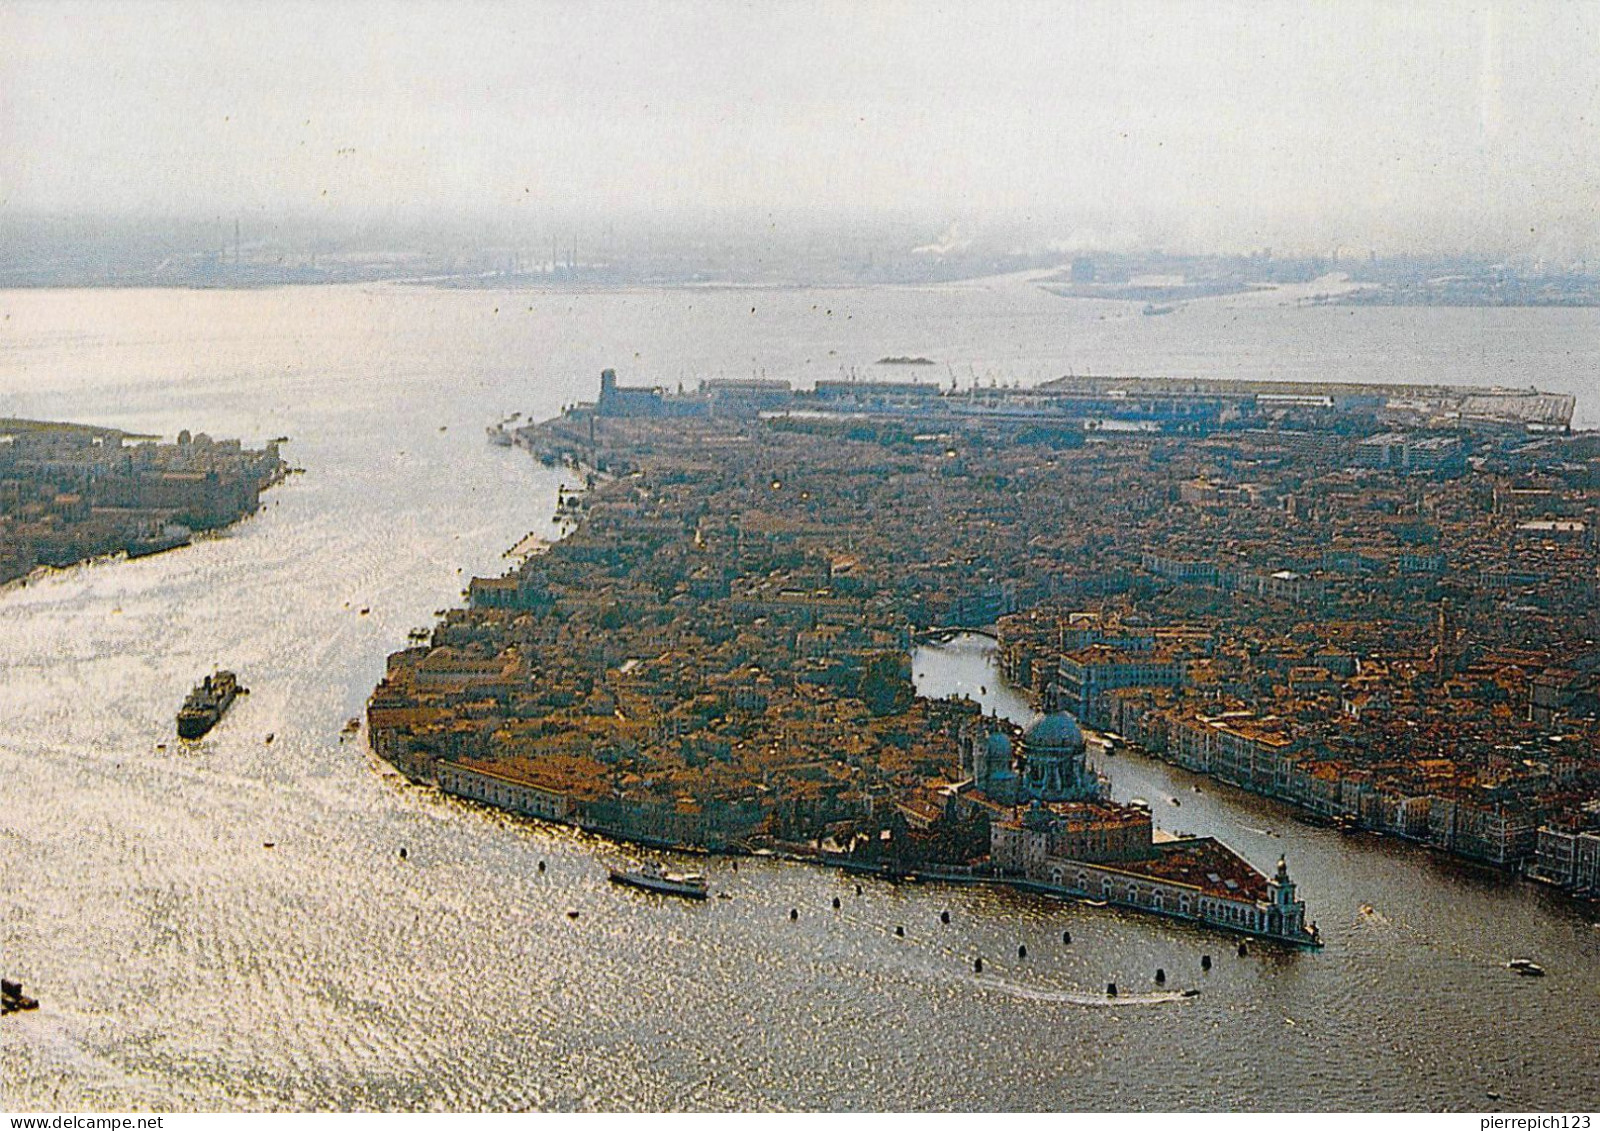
(996, 982)
(1370, 917)
(1371, 914)
(1078, 997)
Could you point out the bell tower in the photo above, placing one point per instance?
(1286, 914)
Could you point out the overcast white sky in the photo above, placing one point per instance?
(1289, 124)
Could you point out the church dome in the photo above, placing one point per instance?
(998, 756)
(1054, 732)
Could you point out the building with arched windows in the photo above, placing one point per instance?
(1052, 826)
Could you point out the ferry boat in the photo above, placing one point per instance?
(206, 703)
(652, 877)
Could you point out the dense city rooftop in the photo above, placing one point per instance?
(718, 651)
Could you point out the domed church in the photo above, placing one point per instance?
(989, 757)
(1051, 762)
(1046, 764)
(1051, 824)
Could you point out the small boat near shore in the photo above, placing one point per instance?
(1527, 967)
(156, 538)
(653, 877)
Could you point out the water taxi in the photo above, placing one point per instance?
(653, 877)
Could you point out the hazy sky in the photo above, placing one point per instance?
(1291, 124)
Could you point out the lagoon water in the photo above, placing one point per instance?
(181, 963)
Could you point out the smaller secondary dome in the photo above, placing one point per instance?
(999, 743)
(1058, 731)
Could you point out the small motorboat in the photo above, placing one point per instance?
(1527, 967)
(652, 877)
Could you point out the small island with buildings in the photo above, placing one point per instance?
(71, 492)
(1373, 603)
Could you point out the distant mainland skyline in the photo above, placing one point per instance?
(1006, 127)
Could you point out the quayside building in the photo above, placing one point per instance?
(1415, 426)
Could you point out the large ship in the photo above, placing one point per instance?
(206, 703)
(652, 877)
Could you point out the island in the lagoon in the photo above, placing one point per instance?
(717, 655)
(70, 492)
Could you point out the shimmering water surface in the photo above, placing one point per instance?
(181, 963)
